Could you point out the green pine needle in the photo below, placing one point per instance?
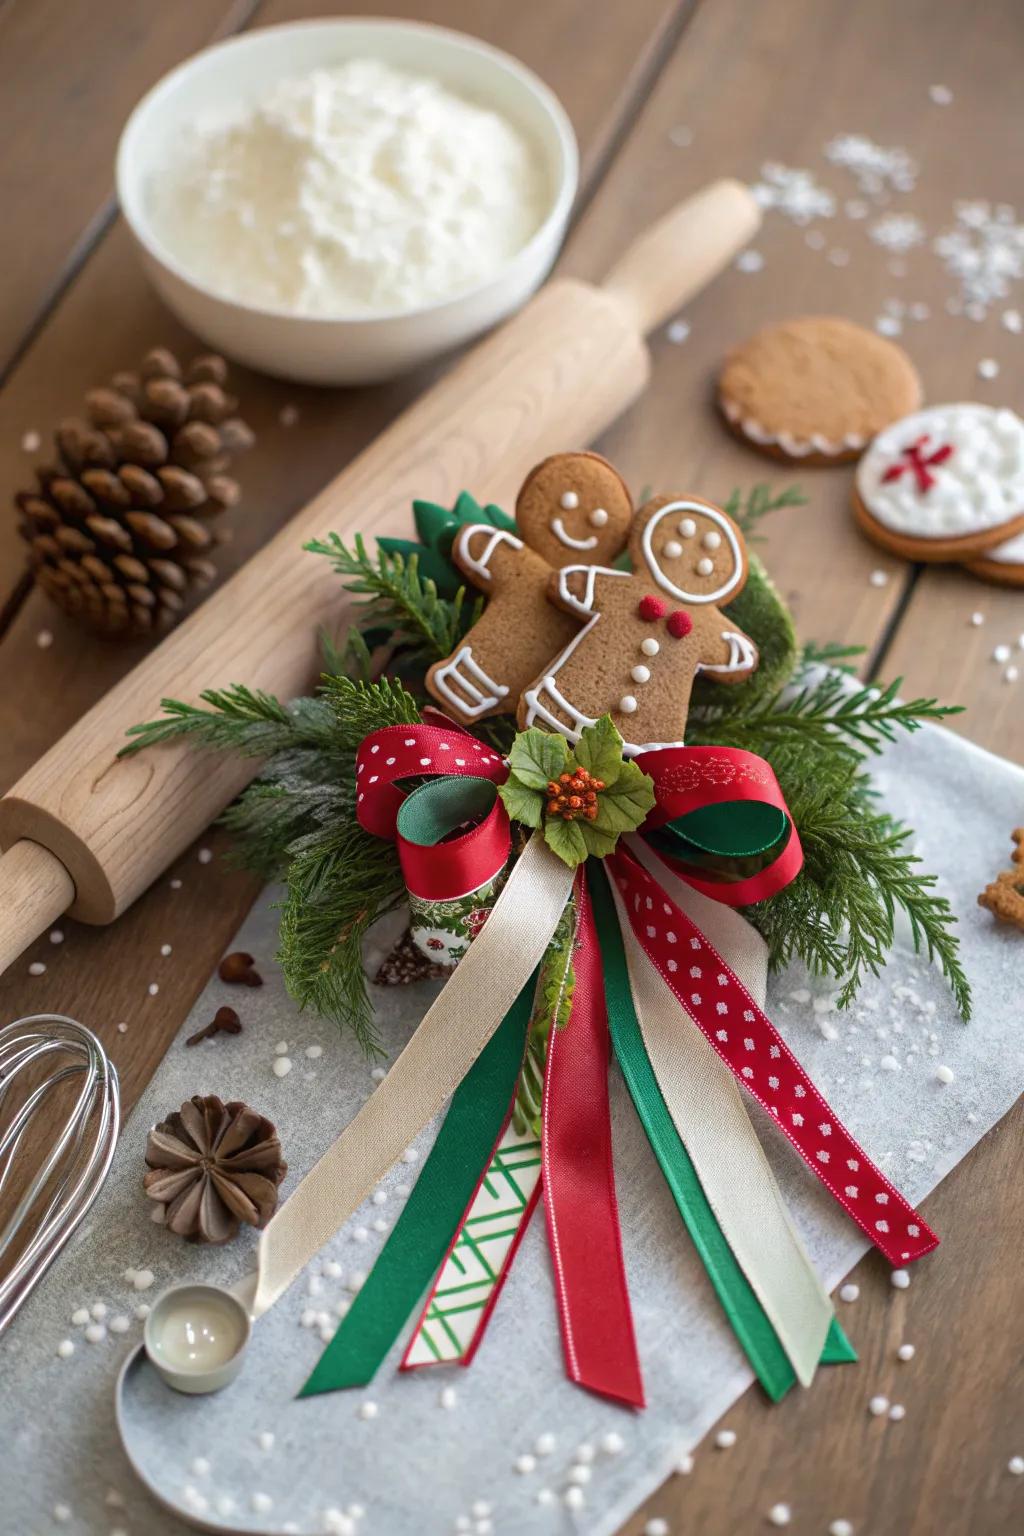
(748, 510)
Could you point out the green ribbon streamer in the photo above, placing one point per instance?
(745, 1313)
(431, 1215)
(736, 829)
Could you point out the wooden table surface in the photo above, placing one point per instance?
(664, 95)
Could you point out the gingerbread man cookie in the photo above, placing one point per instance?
(648, 631)
(571, 504)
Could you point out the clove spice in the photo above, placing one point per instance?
(239, 969)
(225, 1022)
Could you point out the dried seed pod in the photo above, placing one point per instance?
(160, 363)
(182, 489)
(208, 368)
(239, 969)
(165, 401)
(108, 408)
(152, 531)
(142, 442)
(196, 441)
(106, 487)
(144, 489)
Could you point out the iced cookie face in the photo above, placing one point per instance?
(574, 508)
(693, 551)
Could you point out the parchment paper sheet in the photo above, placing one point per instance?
(417, 1466)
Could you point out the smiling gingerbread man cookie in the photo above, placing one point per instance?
(572, 505)
(648, 631)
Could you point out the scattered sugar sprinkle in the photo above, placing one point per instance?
(580, 1475)
(684, 1466)
(944, 1075)
(378, 1074)
(261, 1503)
(1011, 675)
(545, 1444)
(877, 1406)
(940, 96)
(725, 1439)
(905, 1352)
(368, 1410)
(282, 1066)
(142, 1279)
(37, 968)
(656, 1527)
(977, 620)
(1001, 654)
(80, 1316)
(988, 368)
(95, 1333)
(175, 885)
(205, 855)
(545, 1496)
(289, 415)
(1013, 320)
(200, 1467)
(119, 1324)
(585, 1453)
(44, 639)
(849, 1292)
(794, 193)
(65, 1349)
(749, 261)
(153, 988)
(897, 1412)
(281, 1048)
(840, 1528)
(314, 1052)
(31, 441)
(62, 1513)
(678, 332)
(612, 1443)
(56, 936)
(448, 1398)
(879, 578)
(525, 1463)
(265, 1440)
(1015, 1465)
(165, 950)
(900, 1278)
(780, 1514)
(875, 168)
(574, 1498)
(897, 232)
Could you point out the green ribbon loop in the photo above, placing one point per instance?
(431, 1215)
(737, 829)
(746, 1315)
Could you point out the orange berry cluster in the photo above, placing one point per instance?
(574, 795)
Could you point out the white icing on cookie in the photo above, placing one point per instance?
(735, 575)
(1010, 553)
(672, 550)
(598, 518)
(979, 485)
(641, 674)
(712, 540)
(473, 682)
(687, 527)
(569, 500)
(480, 564)
(705, 566)
(795, 447)
(650, 646)
(559, 530)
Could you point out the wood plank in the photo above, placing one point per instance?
(107, 977)
(69, 76)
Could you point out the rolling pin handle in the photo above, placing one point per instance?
(676, 257)
(36, 890)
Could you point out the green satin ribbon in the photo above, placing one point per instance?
(431, 1215)
(745, 1313)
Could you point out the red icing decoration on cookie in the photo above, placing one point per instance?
(679, 624)
(918, 464)
(652, 607)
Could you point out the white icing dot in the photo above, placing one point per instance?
(627, 704)
(780, 1514)
(153, 988)
(678, 332)
(44, 639)
(941, 96)
(598, 518)
(725, 1439)
(849, 1292)
(410, 1155)
(56, 936)
(1011, 675)
(332, 1269)
(282, 1066)
(944, 1074)
(672, 550)
(205, 855)
(142, 1311)
(378, 1074)
(62, 1513)
(281, 1048)
(650, 646)
(705, 566)
(480, 1509)
(905, 1352)
(977, 620)
(261, 1503)
(900, 1279)
(897, 1412)
(545, 1496)
(65, 1349)
(711, 540)
(687, 527)
(37, 968)
(641, 674)
(380, 1197)
(879, 578)
(569, 500)
(200, 1467)
(580, 1475)
(878, 1405)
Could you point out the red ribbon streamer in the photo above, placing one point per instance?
(688, 779)
(414, 751)
(579, 1187)
(445, 871)
(754, 1051)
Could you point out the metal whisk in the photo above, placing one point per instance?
(75, 1165)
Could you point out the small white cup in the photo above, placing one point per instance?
(196, 1337)
(342, 349)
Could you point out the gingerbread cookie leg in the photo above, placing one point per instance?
(461, 683)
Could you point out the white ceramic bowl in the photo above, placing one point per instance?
(355, 350)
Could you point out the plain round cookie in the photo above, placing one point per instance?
(945, 484)
(815, 390)
(1004, 565)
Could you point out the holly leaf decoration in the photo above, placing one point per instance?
(522, 803)
(567, 839)
(624, 805)
(537, 757)
(599, 751)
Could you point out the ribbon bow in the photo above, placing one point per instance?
(672, 981)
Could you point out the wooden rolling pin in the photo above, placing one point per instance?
(87, 832)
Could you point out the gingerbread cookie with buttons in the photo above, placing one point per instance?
(570, 505)
(647, 631)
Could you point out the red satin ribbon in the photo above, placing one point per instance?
(688, 779)
(579, 1187)
(414, 751)
(444, 871)
(754, 1051)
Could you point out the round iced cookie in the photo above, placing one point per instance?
(815, 390)
(945, 484)
(1003, 565)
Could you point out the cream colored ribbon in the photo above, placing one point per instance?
(708, 1112)
(453, 1032)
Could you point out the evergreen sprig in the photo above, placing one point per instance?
(747, 510)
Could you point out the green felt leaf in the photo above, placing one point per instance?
(434, 524)
(599, 842)
(522, 803)
(624, 806)
(565, 838)
(599, 750)
(538, 756)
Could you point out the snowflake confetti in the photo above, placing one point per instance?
(794, 193)
(983, 253)
(875, 169)
(897, 231)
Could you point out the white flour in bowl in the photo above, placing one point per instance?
(354, 190)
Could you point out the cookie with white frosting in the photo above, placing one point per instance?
(944, 484)
(1003, 565)
(815, 390)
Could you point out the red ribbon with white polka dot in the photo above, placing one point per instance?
(752, 1048)
(398, 753)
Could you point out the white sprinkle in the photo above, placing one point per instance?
(888, 325)
(1013, 321)
(889, 1064)
(900, 1279)
(988, 368)
(361, 1235)
(355, 1511)
(288, 415)
(585, 1453)
(780, 1514)
(656, 1527)
(580, 1475)
(57, 936)
(368, 1410)
(120, 1324)
(678, 331)
(402, 1191)
(378, 1074)
(484, 1527)
(879, 578)
(840, 1528)
(749, 261)
(905, 1352)
(356, 1280)
(574, 1498)
(897, 1412)
(265, 1440)
(142, 1311)
(314, 1052)
(175, 885)
(725, 1438)
(448, 1398)
(332, 1269)
(380, 1197)
(878, 1406)
(380, 1224)
(165, 950)
(282, 1066)
(1015, 1465)
(153, 988)
(62, 1513)
(342, 1305)
(941, 95)
(204, 855)
(37, 968)
(200, 1467)
(1011, 675)
(65, 1349)
(545, 1444)
(612, 1443)
(261, 1503)
(681, 136)
(314, 1285)
(99, 1310)
(849, 1292)
(944, 1075)
(31, 442)
(281, 1048)
(545, 1496)
(95, 1333)
(1001, 654)
(480, 1509)
(410, 1155)
(977, 620)
(44, 639)
(80, 1316)
(143, 1279)
(526, 1463)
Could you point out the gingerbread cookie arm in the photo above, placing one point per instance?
(579, 589)
(727, 654)
(484, 554)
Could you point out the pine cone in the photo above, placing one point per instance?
(213, 1166)
(120, 528)
(407, 963)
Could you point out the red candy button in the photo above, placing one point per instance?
(652, 607)
(679, 624)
